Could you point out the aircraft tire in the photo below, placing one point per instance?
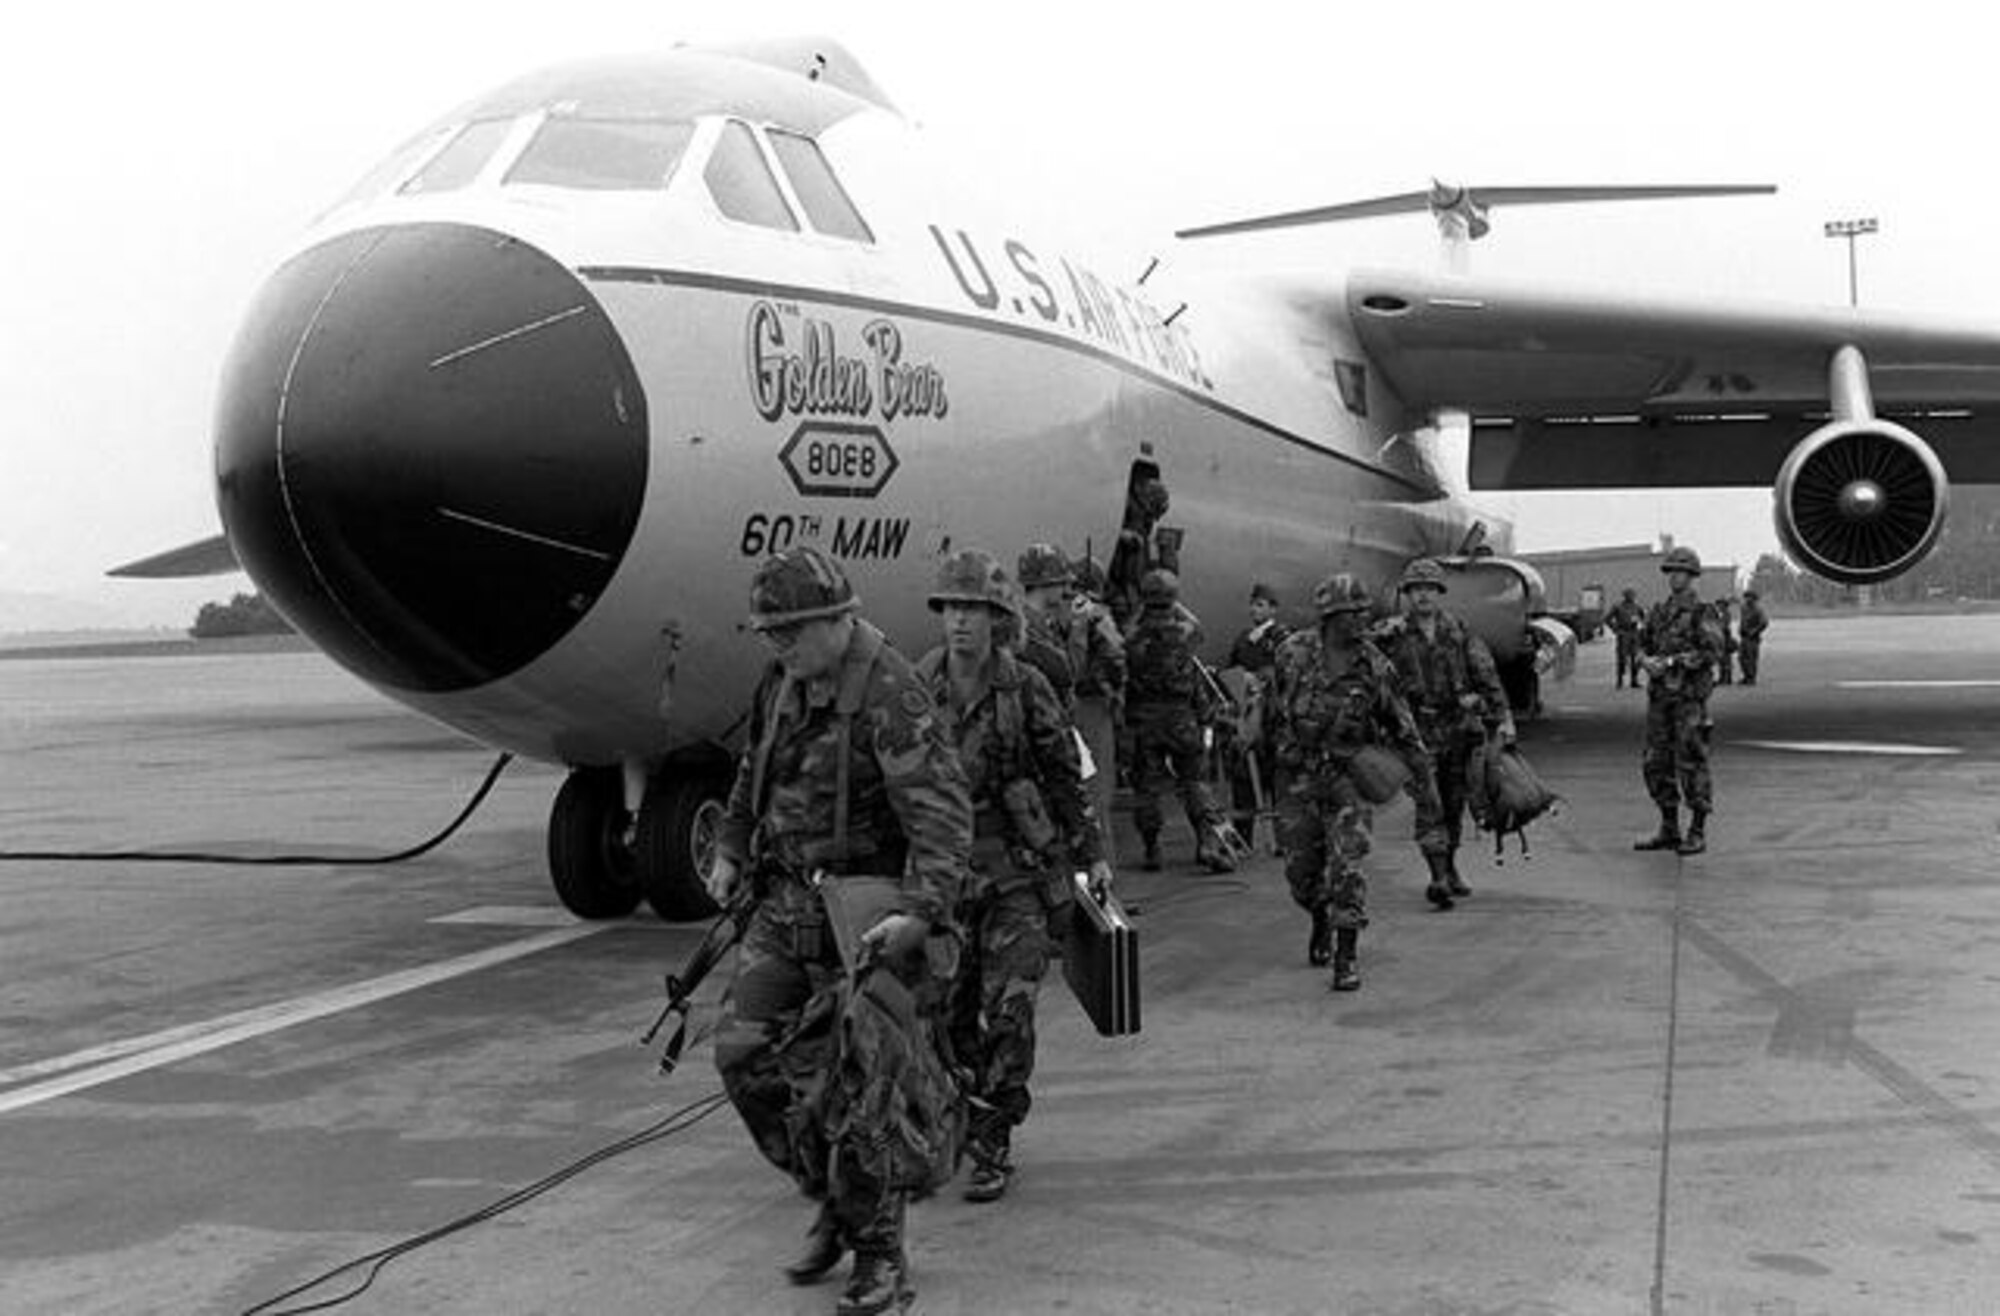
(589, 861)
(677, 831)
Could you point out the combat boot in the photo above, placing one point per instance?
(992, 1166)
(880, 1283)
(1151, 861)
(1451, 878)
(1669, 835)
(1696, 839)
(1319, 943)
(881, 1278)
(1346, 970)
(1439, 891)
(826, 1244)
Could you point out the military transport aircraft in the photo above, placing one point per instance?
(508, 431)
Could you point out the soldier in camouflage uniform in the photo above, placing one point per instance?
(1252, 653)
(1142, 547)
(1100, 690)
(1036, 636)
(838, 708)
(1624, 620)
(1080, 625)
(1679, 647)
(1334, 693)
(1751, 634)
(1166, 702)
(1032, 828)
(1453, 690)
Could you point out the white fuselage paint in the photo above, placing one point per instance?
(1026, 384)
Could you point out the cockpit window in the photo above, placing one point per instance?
(602, 154)
(741, 182)
(461, 159)
(826, 202)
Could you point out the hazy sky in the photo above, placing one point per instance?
(161, 158)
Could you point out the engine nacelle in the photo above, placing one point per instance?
(1860, 501)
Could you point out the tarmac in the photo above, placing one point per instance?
(1761, 1080)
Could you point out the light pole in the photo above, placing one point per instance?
(1850, 229)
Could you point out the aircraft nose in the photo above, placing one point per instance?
(430, 452)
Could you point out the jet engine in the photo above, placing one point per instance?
(1861, 499)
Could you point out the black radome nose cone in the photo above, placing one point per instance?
(431, 451)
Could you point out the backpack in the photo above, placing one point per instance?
(1505, 794)
(893, 1112)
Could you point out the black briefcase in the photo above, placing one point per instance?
(1101, 961)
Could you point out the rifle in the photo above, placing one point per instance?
(725, 932)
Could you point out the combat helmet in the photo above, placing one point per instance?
(1681, 559)
(798, 585)
(970, 575)
(1422, 571)
(1159, 588)
(1042, 564)
(1340, 592)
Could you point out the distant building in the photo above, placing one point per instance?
(1582, 582)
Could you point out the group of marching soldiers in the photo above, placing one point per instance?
(901, 837)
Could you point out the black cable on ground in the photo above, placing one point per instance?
(202, 857)
(666, 1126)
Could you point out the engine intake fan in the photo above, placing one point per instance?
(1860, 501)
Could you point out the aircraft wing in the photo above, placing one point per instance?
(1571, 388)
(203, 557)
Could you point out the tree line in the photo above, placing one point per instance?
(245, 614)
(1965, 564)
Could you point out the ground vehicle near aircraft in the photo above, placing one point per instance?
(508, 432)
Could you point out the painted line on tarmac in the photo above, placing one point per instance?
(1981, 683)
(1847, 747)
(115, 1060)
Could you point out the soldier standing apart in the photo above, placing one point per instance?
(1335, 693)
(1750, 633)
(1081, 626)
(1253, 653)
(1032, 827)
(1678, 647)
(1726, 664)
(1625, 619)
(1454, 692)
(849, 774)
(1165, 703)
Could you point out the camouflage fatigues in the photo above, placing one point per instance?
(908, 817)
(1750, 638)
(1726, 660)
(1624, 621)
(1254, 651)
(1042, 647)
(1316, 720)
(1012, 730)
(1165, 706)
(1683, 630)
(1096, 654)
(1440, 674)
